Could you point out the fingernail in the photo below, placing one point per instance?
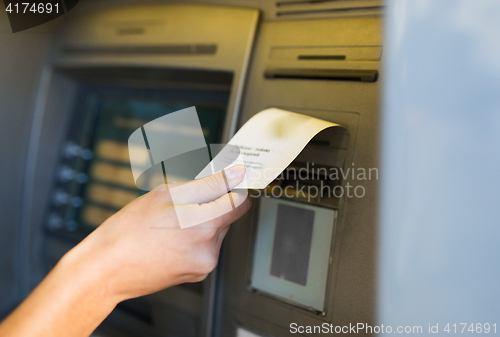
(235, 171)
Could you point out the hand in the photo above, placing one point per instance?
(141, 249)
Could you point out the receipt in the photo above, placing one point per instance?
(267, 144)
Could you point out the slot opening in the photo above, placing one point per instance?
(322, 74)
(322, 57)
(303, 2)
(330, 10)
(300, 179)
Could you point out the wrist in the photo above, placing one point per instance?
(88, 278)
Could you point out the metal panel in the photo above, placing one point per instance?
(22, 58)
(351, 288)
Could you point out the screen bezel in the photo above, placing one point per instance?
(318, 305)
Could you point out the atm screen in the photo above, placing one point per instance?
(99, 180)
(292, 251)
(292, 243)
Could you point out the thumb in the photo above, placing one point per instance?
(207, 189)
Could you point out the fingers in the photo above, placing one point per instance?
(219, 212)
(207, 189)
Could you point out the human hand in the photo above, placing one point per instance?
(142, 249)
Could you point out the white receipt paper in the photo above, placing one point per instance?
(268, 143)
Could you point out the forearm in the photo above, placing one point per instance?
(70, 302)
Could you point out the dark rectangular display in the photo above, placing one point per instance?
(292, 243)
(111, 185)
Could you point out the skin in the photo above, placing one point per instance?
(139, 250)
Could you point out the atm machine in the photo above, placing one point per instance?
(327, 68)
(290, 259)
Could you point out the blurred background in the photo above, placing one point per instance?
(415, 83)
